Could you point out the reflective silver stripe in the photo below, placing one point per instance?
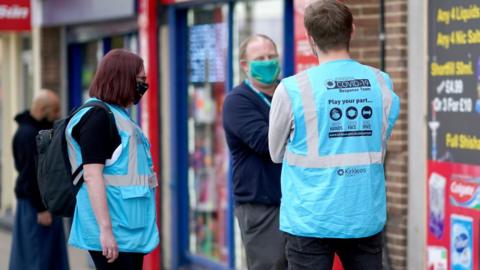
(387, 105)
(77, 178)
(310, 113)
(313, 159)
(72, 153)
(131, 178)
(333, 161)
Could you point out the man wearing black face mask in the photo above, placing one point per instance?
(38, 238)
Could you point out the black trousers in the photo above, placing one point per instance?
(307, 253)
(125, 260)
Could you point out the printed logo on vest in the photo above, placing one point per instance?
(349, 172)
(352, 113)
(335, 114)
(367, 112)
(363, 84)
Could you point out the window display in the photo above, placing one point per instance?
(254, 17)
(208, 154)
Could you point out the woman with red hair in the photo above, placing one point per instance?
(115, 216)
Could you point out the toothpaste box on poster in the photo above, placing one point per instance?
(465, 192)
(461, 242)
(437, 258)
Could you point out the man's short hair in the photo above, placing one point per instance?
(329, 23)
(247, 41)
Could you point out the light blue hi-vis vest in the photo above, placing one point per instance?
(130, 190)
(333, 182)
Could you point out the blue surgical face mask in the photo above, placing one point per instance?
(265, 71)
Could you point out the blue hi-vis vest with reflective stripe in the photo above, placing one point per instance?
(333, 182)
(130, 190)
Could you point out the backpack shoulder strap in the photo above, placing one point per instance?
(78, 174)
(98, 104)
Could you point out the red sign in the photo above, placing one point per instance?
(15, 15)
(304, 57)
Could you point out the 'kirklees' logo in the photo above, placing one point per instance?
(462, 191)
(13, 12)
(345, 84)
(351, 171)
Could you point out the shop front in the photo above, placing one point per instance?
(204, 39)
(85, 52)
(453, 168)
(88, 31)
(16, 87)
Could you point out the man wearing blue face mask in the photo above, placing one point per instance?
(256, 178)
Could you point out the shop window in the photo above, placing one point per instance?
(117, 42)
(208, 154)
(256, 17)
(93, 53)
(26, 71)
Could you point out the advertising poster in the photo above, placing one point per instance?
(453, 175)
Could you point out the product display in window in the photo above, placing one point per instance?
(208, 156)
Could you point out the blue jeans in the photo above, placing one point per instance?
(308, 253)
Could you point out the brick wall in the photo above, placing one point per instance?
(366, 48)
(51, 61)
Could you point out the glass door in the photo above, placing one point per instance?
(207, 150)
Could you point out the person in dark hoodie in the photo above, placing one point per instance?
(38, 237)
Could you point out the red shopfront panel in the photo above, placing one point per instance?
(453, 218)
(304, 57)
(15, 15)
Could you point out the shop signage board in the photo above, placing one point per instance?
(453, 174)
(61, 12)
(15, 15)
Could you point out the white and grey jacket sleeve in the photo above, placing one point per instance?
(281, 124)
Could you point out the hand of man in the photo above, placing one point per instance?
(44, 218)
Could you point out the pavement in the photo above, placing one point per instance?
(78, 258)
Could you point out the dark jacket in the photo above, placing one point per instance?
(24, 152)
(256, 178)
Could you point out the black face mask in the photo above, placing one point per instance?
(140, 89)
